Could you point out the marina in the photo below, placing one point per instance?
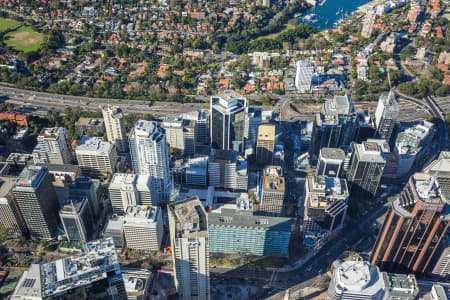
(330, 13)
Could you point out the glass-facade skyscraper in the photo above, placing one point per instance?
(227, 122)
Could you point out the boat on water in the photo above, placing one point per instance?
(322, 2)
(310, 18)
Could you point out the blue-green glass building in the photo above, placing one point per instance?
(239, 231)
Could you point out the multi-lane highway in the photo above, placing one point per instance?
(40, 103)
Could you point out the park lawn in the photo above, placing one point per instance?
(272, 36)
(24, 39)
(7, 24)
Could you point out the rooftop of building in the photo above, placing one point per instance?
(141, 215)
(400, 285)
(29, 284)
(114, 111)
(267, 132)
(125, 181)
(31, 176)
(370, 152)
(190, 218)
(60, 275)
(94, 144)
(358, 277)
(328, 186)
(20, 158)
(82, 182)
(228, 216)
(332, 153)
(339, 105)
(198, 115)
(441, 166)
(63, 168)
(384, 146)
(174, 122)
(52, 132)
(273, 179)
(144, 128)
(114, 225)
(82, 121)
(135, 281)
(6, 185)
(228, 101)
(389, 101)
(427, 188)
(411, 140)
(73, 205)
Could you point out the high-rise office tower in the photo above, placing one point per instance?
(77, 220)
(201, 120)
(253, 118)
(356, 280)
(325, 203)
(440, 168)
(53, 147)
(10, 216)
(414, 228)
(227, 119)
(366, 169)
(258, 235)
(272, 191)
(412, 146)
(365, 126)
(227, 171)
(180, 134)
(368, 22)
(96, 158)
(131, 189)
(87, 187)
(37, 202)
(143, 228)
(441, 269)
(331, 162)
(386, 116)
(115, 127)
(188, 226)
(94, 274)
(148, 147)
(334, 126)
(265, 143)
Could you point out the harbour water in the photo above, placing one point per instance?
(330, 12)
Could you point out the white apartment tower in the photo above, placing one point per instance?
(131, 190)
(368, 22)
(96, 158)
(188, 226)
(53, 147)
(115, 127)
(143, 228)
(148, 147)
(304, 76)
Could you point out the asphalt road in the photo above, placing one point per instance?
(40, 103)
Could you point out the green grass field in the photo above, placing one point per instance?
(287, 26)
(24, 39)
(7, 23)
